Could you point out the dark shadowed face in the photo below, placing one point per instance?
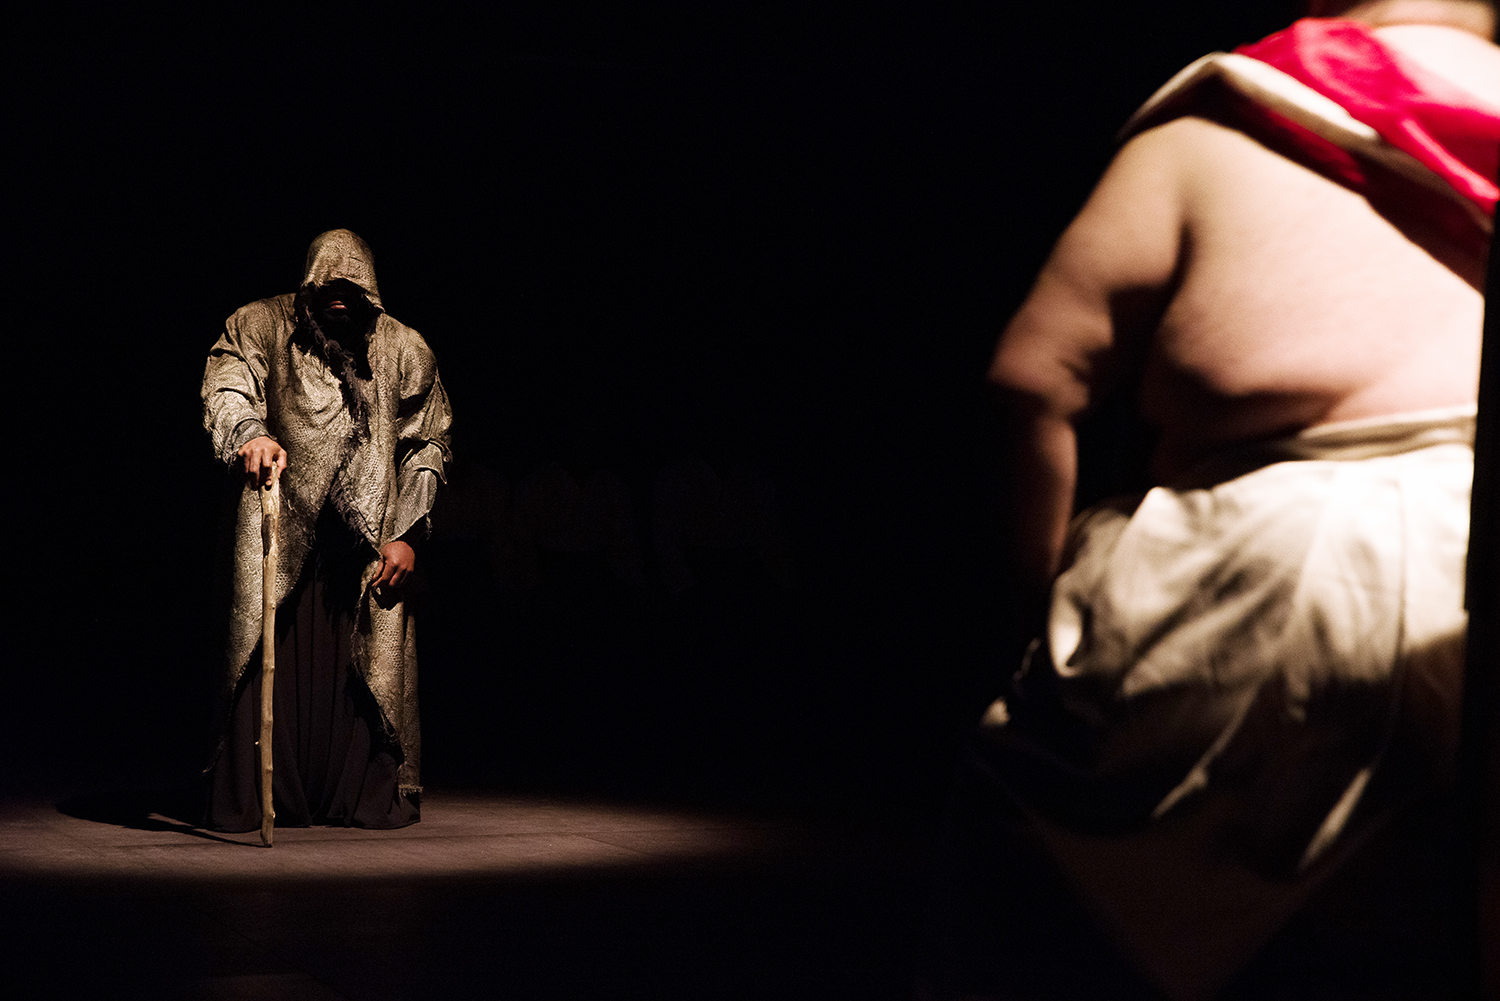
(339, 305)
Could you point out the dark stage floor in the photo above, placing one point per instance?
(490, 896)
(104, 893)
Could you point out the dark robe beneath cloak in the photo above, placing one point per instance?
(330, 765)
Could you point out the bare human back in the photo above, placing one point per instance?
(1282, 266)
(1248, 294)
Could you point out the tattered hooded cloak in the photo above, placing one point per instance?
(268, 374)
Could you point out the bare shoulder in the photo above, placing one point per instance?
(1144, 177)
(1159, 178)
(1110, 269)
(1128, 233)
(1209, 159)
(1460, 57)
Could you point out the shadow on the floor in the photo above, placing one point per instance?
(177, 810)
(143, 917)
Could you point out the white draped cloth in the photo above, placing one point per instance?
(1231, 664)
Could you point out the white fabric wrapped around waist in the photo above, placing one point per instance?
(1313, 569)
(1324, 562)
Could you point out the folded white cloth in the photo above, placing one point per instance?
(1269, 616)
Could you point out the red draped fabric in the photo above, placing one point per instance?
(1442, 126)
(1449, 130)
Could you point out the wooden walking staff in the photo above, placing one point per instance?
(270, 512)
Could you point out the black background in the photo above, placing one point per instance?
(808, 223)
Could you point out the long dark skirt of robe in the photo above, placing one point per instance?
(329, 766)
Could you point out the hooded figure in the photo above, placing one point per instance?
(324, 384)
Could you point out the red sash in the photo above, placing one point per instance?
(1444, 128)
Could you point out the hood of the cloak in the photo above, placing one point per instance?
(340, 253)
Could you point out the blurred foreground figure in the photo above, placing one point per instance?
(1253, 670)
(323, 388)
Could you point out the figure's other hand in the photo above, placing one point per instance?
(396, 562)
(261, 459)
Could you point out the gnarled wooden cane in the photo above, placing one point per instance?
(270, 511)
